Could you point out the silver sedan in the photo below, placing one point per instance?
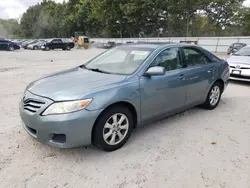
(240, 64)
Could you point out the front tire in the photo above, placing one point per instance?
(113, 128)
(47, 48)
(35, 48)
(213, 97)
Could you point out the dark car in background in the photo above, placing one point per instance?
(235, 47)
(8, 45)
(64, 44)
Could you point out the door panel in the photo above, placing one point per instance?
(59, 43)
(3, 45)
(53, 44)
(199, 80)
(164, 93)
(200, 74)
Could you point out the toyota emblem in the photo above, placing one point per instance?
(24, 96)
(238, 67)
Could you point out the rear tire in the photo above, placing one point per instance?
(213, 97)
(68, 48)
(11, 49)
(113, 128)
(35, 48)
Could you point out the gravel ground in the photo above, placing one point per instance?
(197, 148)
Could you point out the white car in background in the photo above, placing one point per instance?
(240, 64)
(37, 45)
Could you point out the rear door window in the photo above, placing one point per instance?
(57, 41)
(194, 57)
(238, 46)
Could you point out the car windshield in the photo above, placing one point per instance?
(49, 40)
(245, 51)
(119, 60)
(33, 42)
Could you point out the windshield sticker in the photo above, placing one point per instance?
(140, 52)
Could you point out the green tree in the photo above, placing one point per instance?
(10, 28)
(128, 18)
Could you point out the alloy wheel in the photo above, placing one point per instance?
(214, 95)
(115, 129)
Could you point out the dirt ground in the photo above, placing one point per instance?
(195, 149)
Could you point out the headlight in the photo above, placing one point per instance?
(66, 107)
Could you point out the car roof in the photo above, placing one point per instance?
(158, 44)
(240, 43)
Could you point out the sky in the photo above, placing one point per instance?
(15, 8)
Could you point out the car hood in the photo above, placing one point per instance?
(73, 84)
(239, 60)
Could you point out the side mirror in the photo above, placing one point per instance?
(234, 50)
(155, 71)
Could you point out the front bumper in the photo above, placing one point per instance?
(30, 47)
(61, 131)
(240, 74)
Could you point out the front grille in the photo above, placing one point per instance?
(32, 105)
(239, 68)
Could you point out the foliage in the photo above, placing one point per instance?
(133, 18)
(9, 28)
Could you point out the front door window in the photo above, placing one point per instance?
(169, 59)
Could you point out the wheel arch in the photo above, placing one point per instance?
(125, 104)
(222, 84)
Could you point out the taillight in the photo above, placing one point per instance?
(228, 67)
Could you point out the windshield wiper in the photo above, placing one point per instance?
(98, 70)
(93, 69)
(83, 66)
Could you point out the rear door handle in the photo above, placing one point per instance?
(211, 70)
(182, 77)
